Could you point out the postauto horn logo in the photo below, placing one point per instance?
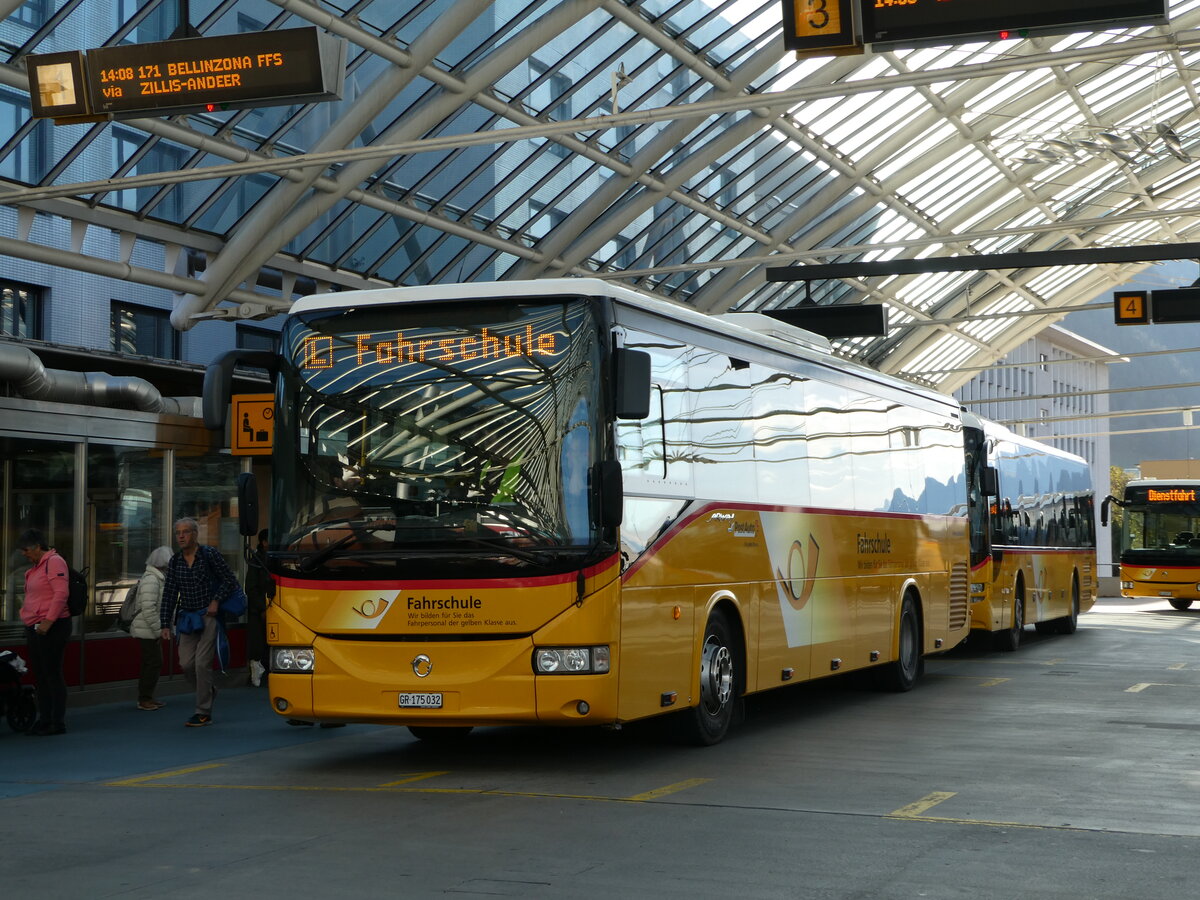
(372, 609)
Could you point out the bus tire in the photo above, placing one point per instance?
(902, 673)
(1010, 639)
(439, 734)
(707, 722)
(1069, 623)
(1180, 604)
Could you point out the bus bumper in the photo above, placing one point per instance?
(451, 683)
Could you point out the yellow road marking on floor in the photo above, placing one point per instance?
(333, 789)
(927, 802)
(316, 788)
(142, 779)
(1138, 688)
(670, 789)
(1177, 666)
(986, 682)
(393, 787)
(988, 824)
(409, 779)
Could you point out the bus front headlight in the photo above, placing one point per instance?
(300, 660)
(571, 660)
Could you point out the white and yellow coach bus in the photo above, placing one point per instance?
(1160, 540)
(1036, 562)
(562, 502)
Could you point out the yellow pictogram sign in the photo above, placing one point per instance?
(252, 431)
(1130, 308)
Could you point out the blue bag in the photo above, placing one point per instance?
(189, 621)
(235, 603)
(221, 647)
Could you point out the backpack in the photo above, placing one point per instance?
(129, 608)
(77, 591)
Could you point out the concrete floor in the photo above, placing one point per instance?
(1064, 770)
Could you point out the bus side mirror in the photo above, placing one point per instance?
(1104, 510)
(609, 493)
(989, 481)
(247, 492)
(632, 384)
(218, 381)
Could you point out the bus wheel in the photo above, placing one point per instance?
(439, 734)
(1180, 604)
(901, 674)
(1010, 639)
(1070, 622)
(706, 723)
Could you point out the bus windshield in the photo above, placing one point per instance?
(427, 440)
(1161, 522)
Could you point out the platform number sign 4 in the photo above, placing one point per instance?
(1131, 307)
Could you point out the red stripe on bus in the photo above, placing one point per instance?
(434, 584)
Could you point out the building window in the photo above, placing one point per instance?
(32, 13)
(143, 331)
(157, 156)
(549, 99)
(20, 310)
(251, 338)
(25, 148)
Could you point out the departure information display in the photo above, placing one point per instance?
(909, 22)
(267, 68)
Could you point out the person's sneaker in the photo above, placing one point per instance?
(256, 672)
(197, 720)
(147, 704)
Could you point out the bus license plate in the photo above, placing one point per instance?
(1167, 594)
(421, 701)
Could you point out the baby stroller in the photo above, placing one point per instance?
(18, 702)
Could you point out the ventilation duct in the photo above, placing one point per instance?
(23, 369)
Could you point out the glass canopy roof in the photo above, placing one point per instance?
(671, 146)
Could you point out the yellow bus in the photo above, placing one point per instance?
(563, 502)
(1160, 540)
(1039, 563)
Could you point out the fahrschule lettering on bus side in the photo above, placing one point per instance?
(451, 602)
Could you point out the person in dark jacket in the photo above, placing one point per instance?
(198, 579)
(259, 588)
(47, 628)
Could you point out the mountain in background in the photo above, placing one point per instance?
(1167, 368)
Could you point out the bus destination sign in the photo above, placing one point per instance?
(269, 68)
(392, 348)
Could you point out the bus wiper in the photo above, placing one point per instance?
(537, 556)
(309, 563)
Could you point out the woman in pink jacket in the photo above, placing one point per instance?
(47, 628)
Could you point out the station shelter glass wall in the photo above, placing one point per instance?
(105, 487)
